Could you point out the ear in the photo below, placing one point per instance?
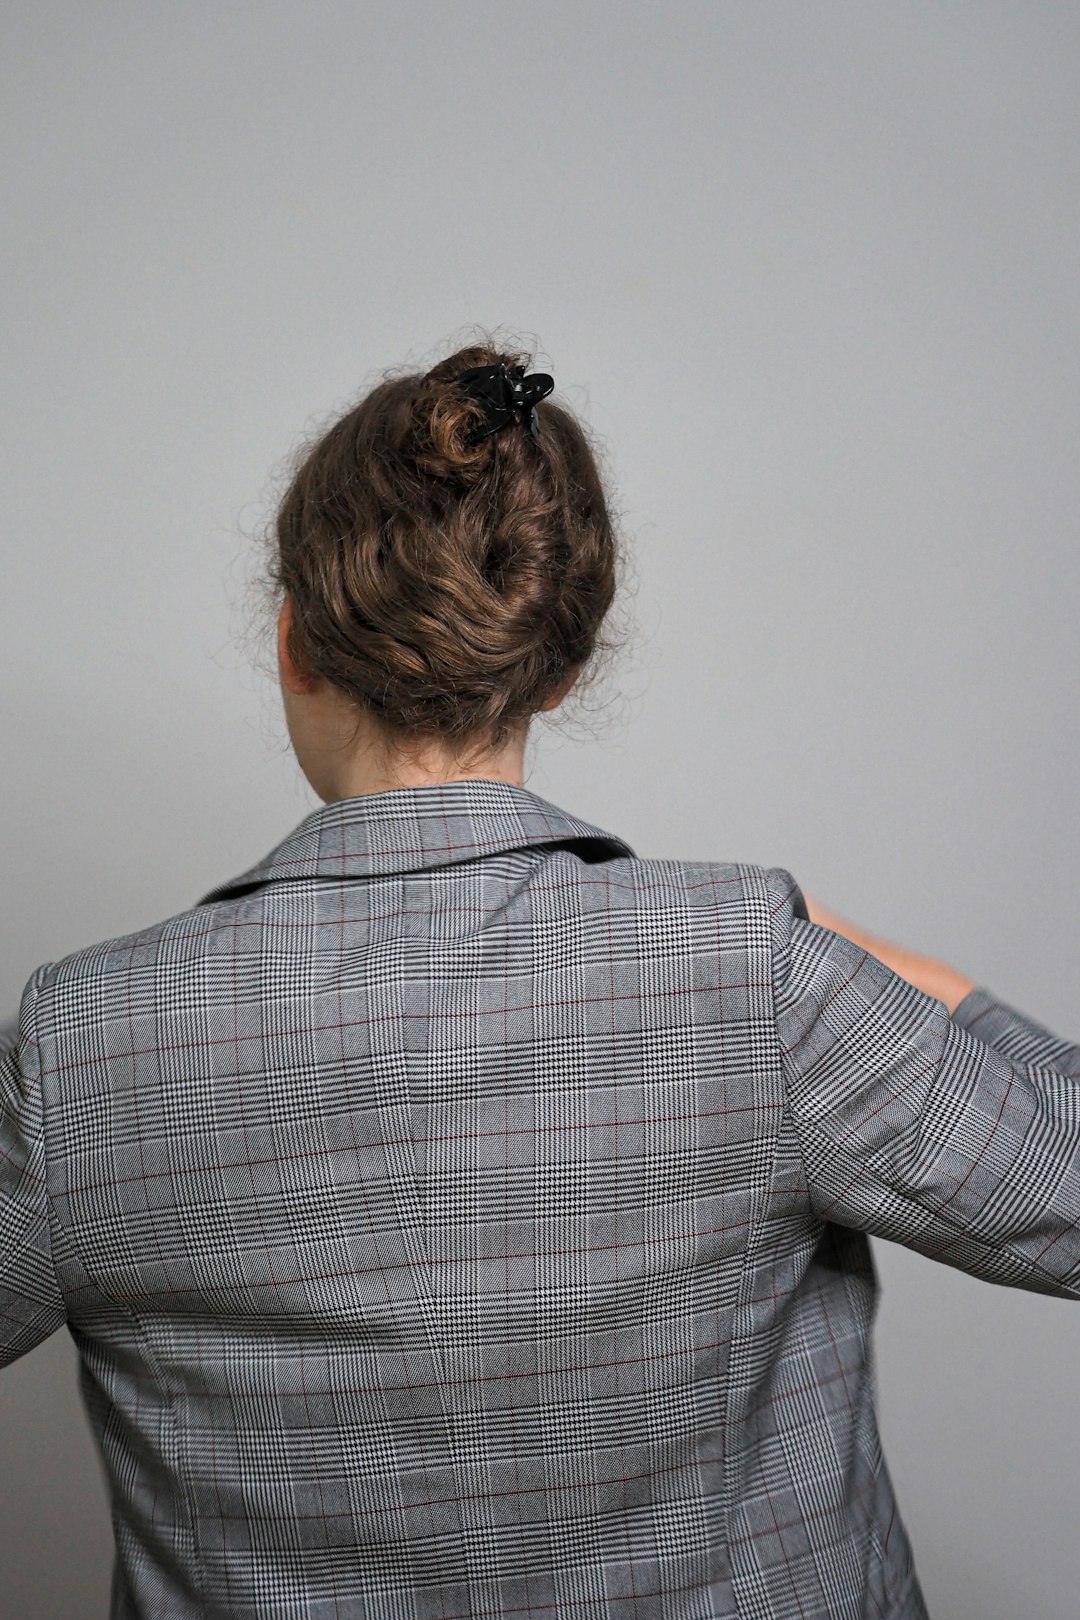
(293, 678)
(560, 692)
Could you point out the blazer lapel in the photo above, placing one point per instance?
(417, 828)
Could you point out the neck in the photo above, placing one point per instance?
(344, 756)
(398, 769)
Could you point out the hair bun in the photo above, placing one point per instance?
(450, 422)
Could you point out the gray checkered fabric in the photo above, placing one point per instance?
(458, 1215)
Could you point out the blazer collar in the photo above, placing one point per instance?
(415, 828)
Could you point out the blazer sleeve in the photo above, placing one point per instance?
(957, 1136)
(31, 1302)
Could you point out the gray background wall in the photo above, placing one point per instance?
(811, 270)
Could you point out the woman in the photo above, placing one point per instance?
(458, 1214)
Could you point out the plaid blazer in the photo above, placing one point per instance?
(458, 1215)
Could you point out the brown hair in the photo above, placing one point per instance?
(447, 587)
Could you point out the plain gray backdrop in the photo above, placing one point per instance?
(812, 273)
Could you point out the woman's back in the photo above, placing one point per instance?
(456, 1214)
(438, 1213)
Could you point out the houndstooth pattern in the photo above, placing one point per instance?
(458, 1215)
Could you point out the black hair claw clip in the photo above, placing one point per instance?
(506, 395)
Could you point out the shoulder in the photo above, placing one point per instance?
(708, 882)
(84, 984)
(761, 896)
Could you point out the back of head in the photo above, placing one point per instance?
(447, 585)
